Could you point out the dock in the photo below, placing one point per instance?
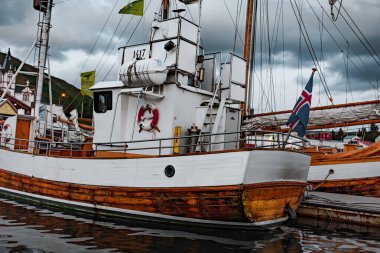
(341, 208)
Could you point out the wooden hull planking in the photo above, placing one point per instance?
(255, 203)
(369, 187)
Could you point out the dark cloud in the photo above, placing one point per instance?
(77, 24)
(13, 11)
(331, 45)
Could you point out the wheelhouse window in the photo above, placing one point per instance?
(102, 101)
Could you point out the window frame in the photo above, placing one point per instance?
(107, 104)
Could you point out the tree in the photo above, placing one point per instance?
(373, 133)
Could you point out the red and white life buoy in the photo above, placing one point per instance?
(7, 132)
(148, 117)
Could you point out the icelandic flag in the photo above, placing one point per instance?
(299, 118)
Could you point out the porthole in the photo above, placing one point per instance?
(169, 171)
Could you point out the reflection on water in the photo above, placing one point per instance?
(27, 228)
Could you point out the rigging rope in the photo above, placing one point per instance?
(130, 38)
(311, 49)
(76, 97)
(339, 47)
(110, 41)
(233, 22)
(344, 37)
(117, 42)
(96, 41)
(365, 46)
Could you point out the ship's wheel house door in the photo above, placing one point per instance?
(22, 133)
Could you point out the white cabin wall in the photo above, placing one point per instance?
(165, 115)
(104, 122)
(177, 108)
(185, 110)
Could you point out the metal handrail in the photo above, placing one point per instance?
(243, 137)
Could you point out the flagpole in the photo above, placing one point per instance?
(290, 129)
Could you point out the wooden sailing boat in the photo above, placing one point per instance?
(202, 174)
(354, 172)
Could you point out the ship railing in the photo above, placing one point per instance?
(159, 147)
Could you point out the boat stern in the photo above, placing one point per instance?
(274, 184)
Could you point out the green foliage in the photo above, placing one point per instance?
(372, 134)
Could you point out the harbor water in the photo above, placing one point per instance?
(29, 228)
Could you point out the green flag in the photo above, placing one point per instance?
(87, 81)
(134, 8)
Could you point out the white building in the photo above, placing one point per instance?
(21, 92)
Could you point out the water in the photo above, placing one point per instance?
(28, 228)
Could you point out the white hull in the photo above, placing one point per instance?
(343, 171)
(360, 177)
(233, 168)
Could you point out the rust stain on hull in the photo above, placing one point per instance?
(257, 202)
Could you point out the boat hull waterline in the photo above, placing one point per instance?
(354, 176)
(243, 187)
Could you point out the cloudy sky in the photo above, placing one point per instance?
(283, 62)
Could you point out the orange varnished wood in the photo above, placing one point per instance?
(268, 201)
(369, 187)
(314, 151)
(216, 203)
(262, 201)
(316, 162)
(369, 154)
(22, 134)
(350, 147)
(109, 154)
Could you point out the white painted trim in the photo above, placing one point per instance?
(345, 171)
(196, 90)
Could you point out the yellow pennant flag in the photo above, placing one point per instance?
(134, 8)
(87, 81)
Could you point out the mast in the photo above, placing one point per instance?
(43, 44)
(249, 52)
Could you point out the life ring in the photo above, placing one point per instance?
(7, 132)
(149, 122)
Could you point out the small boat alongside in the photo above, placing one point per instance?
(354, 172)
